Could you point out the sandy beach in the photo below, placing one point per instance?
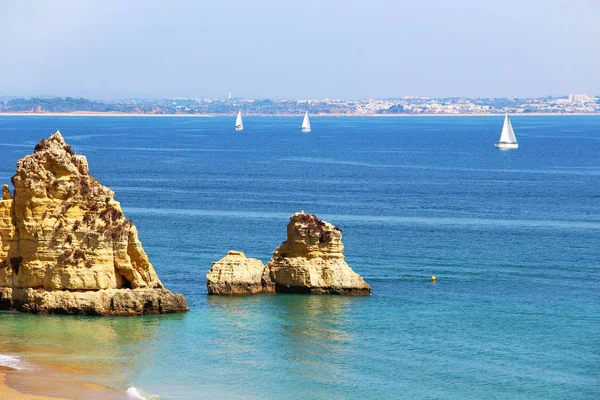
(45, 384)
(111, 114)
(7, 393)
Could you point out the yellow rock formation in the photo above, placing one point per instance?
(63, 231)
(235, 274)
(311, 260)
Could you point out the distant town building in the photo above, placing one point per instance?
(578, 98)
(572, 104)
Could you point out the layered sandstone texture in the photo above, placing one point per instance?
(66, 247)
(235, 274)
(311, 260)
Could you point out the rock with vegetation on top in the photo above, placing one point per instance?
(235, 274)
(66, 247)
(311, 260)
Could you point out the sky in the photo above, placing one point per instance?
(291, 49)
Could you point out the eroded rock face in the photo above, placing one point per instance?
(311, 260)
(235, 274)
(101, 302)
(63, 231)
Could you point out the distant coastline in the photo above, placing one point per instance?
(404, 106)
(317, 115)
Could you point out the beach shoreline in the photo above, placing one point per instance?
(112, 114)
(8, 392)
(41, 382)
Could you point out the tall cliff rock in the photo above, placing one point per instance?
(311, 260)
(65, 245)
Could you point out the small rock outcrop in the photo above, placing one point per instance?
(66, 247)
(311, 260)
(235, 274)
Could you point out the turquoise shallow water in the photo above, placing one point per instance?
(513, 238)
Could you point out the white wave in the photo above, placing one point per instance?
(134, 393)
(138, 394)
(10, 361)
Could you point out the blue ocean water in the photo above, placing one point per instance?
(513, 238)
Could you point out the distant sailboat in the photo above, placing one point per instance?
(239, 125)
(507, 137)
(306, 123)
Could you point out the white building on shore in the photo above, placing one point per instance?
(578, 98)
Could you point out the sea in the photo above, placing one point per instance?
(513, 238)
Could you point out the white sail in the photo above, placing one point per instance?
(508, 139)
(508, 134)
(239, 125)
(306, 123)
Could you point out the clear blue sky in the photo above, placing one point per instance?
(299, 49)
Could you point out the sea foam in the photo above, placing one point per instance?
(138, 394)
(10, 361)
(134, 393)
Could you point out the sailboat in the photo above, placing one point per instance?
(507, 137)
(306, 123)
(239, 125)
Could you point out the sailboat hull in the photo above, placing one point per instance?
(507, 146)
(507, 140)
(239, 128)
(305, 130)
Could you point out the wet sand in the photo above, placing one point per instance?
(7, 393)
(43, 384)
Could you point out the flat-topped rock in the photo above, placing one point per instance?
(63, 232)
(235, 274)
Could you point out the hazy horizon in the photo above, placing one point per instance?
(262, 98)
(299, 49)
